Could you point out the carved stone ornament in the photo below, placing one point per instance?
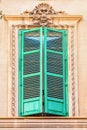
(1, 15)
(43, 9)
(41, 14)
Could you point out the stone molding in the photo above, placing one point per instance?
(1, 14)
(43, 122)
(43, 13)
(29, 17)
(14, 89)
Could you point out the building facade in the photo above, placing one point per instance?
(43, 43)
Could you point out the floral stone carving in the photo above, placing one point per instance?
(41, 14)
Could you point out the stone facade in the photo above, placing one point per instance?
(12, 11)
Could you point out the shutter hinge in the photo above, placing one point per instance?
(43, 97)
(65, 33)
(65, 58)
(43, 103)
(43, 92)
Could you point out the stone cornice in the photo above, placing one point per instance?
(43, 122)
(42, 14)
(61, 17)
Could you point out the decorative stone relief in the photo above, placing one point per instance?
(43, 9)
(41, 14)
(1, 15)
(14, 51)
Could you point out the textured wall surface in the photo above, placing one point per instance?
(75, 7)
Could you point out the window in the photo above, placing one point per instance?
(43, 72)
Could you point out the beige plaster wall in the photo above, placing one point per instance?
(3, 72)
(82, 67)
(69, 6)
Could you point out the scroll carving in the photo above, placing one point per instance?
(41, 14)
(1, 15)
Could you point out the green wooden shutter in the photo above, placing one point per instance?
(30, 71)
(55, 71)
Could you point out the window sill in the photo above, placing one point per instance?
(43, 122)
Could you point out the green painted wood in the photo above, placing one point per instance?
(30, 52)
(30, 72)
(19, 72)
(54, 52)
(43, 65)
(55, 72)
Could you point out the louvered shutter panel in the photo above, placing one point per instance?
(55, 71)
(30, 72)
